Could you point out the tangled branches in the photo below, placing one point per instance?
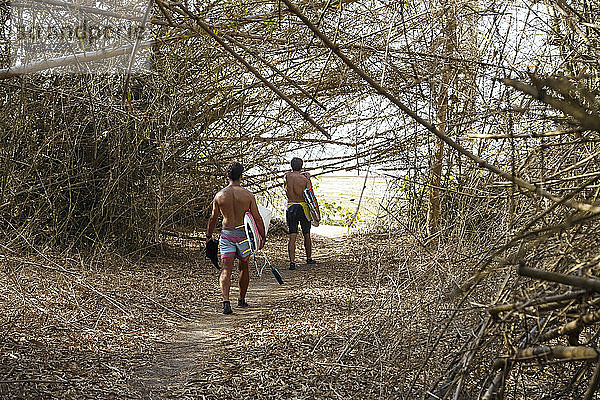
(91, 160)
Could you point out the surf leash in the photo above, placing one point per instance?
(274, 270)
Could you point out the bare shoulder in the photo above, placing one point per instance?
(306, 176)
(220, 193)
(245, 192)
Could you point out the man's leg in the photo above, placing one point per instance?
(305, 225)
(225, 278)
(291, 217)
(244, 278)
(292, 247)
(225, 282)
(308, 246)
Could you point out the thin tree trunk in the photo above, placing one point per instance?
(441, 110)
(434, 210)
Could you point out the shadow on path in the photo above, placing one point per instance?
(194, 344)
(176, 360)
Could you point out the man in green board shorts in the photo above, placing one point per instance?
(232, 202)
(297, 211)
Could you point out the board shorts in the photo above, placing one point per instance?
(234, 243)
(295, 214)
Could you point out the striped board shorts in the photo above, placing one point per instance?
(234, 243)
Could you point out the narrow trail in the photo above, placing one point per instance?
(197, 343)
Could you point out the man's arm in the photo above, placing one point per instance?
(285, 185)
(212, 221)
(258, 219)
(307, 176)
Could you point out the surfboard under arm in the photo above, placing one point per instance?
(313, 206)
(252, 232)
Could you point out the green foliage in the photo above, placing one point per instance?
(334, 214)
(329, 210)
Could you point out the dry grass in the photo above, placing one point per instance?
(356, 326)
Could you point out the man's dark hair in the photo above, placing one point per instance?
(296, 164)
(234, 171)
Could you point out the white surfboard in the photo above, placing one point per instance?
(254, 237)
(266, 215)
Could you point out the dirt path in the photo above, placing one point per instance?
(197, 344)
(178, 359)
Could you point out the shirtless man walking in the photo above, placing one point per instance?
(232, 202)
(297, 211)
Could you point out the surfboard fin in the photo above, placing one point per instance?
(277, 275)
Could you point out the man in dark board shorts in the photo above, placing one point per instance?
(297, 211)
(232, 202)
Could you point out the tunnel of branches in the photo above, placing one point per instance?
(484, 116)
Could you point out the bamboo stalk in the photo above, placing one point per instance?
(74, 59)
(573, 327)
(546, 353)
(524, 135)
(536, 302)
(496, 382)
(587, 120)
(577, 281)
(593, 385)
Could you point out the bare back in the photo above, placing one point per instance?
(295, 183)
(234, 201)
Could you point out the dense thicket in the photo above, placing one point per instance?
(95, 158)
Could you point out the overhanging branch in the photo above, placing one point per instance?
(74, 59)
(431, 128)
(212, 33)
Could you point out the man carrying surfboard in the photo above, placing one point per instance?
(232, 202)
(298, 212)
